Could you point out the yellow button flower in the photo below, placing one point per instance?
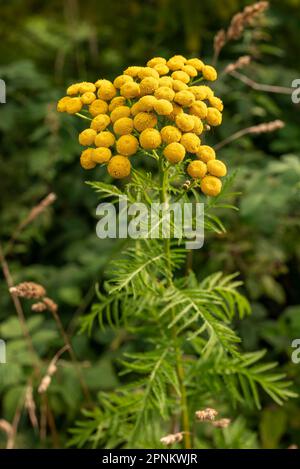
(101, 155)
(130, 90)
(155, 61)
(146, 103)
(176, 110)
(148, 72)
(184, 98)
(206, 153)
(105, 139)
(132, 71)
(174, 152)
(163, 107)
(136, 107)
(197, 169)
(166, 81)
(118, 112)
(73, 105)
(123, 126)
(121, 80)
(214, 117)
(170, 134)
(88, 97)
(86, 159)
(209, 73)
(87, 87)
(161, 69)
(144, 120)
(190, 141)
(116, 102)
(62, 104)
(98, 107)
(199, 109)
(181, 76)
(217, 103)
(216, 168)
(150, 139)
(197, 63)
(87, 137)
(198, 126)
(201, 92)
(179, 85)
(176, 62)
(164, 92)
(185, 122)
(127, 145)
(210, 185)
(100, 122)
(148, 85)
(106, 90)
(190, 70)
(72, 90)
(119, 167)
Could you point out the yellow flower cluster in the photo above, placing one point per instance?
(160, 107)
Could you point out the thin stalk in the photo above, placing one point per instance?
(179, 364)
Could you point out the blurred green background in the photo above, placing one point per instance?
(44, 47)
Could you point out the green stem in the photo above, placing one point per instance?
(179, 363)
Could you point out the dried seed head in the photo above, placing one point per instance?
(222, 423)
(245, 18)
(39, 307)
(172, 439)
(44, 385)
(219, 41)
(208, 414)
(267, 127)
(52, 369)
(28, 290)
(242, 62)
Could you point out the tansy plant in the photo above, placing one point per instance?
(190, 365)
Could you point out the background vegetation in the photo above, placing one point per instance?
(44, 47)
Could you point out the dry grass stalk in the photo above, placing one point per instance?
(30, 406)
(171, 439)
(206, 415)
(222, 423)
(51, 370)
(241, 62)
(238, 24)
(6, 427)
(260, 86)
(28, 290)
(265, 127)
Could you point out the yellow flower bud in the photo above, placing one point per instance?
(190, 70)
(185, 98)
(199, 109)
(105, 139)
(216, 168)
(86, 87)
(170, 134)
(101, 155)
(123, 126)
(163, 107)
(88, 97)
(121, 80)
(73, 105)
(181, 76)
(198, 126)
(201, 92)
(98, 107)
(119, 167)
(176, 110)
(130, 90)
(144, 120)
(197, 63)
(86, 159)
(100, 122)
(148, 85)
(155, 61)
(197, 169)
(106, 90)
(176, 62)
(206, 153)
(118, 112)
(174, 152)
(148, 72)
(150, 139)
(166, 81)
(164, 92)
(87, 137)
(127, 145)
(136, 107)
(210, 185)
(73, 89)
(62, 104)
(217, 103)
(209, 73)
(116, 102)
(214, 117)
(161, 69)
(146, 103)
(132, 71)
(191, 142)
(185, 122)
(179, 85)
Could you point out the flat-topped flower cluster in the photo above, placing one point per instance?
(163, 108)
